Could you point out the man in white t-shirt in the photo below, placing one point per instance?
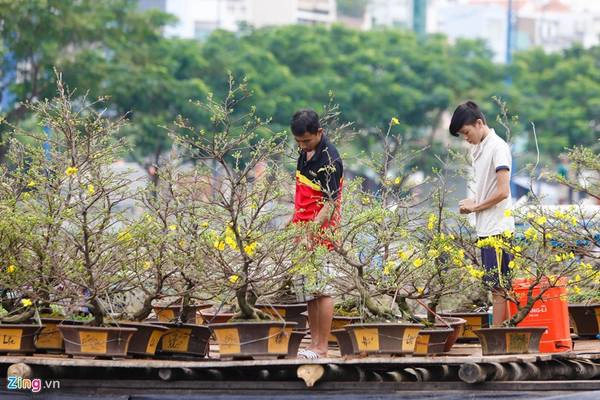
(492, 163)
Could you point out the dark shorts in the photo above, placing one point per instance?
(497, 272)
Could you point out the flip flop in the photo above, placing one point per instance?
(308, 354)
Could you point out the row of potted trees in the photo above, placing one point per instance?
(91, 251)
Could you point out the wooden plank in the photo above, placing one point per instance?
(142, 363)
(150, 386)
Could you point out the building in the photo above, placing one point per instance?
(198, 18)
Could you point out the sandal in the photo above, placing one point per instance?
(308, 354)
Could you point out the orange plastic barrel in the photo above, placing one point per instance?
(551, 310)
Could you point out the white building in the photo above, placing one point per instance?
(197, 18)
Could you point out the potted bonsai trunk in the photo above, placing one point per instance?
(246, 253)
(546, 262)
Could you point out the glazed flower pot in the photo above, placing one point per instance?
(18, 338)
(456, 324)
(474, 320)
(209, 317)
(586, 319)
(432, 341)
(171, 313)
(289, 312)
(256, 340)
(49, 339)
(340, 322)
(294, 343)
(511, 340)
(343, 339)
(384, 338)
(145, 340)
(82, 340)
(184, 339)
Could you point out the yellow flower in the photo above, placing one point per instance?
(31, 184)
(507, 234)
(71, 171)
(147, 264)
(577, 278)
(541, 220)
(573, 221)
(507, 213)
(365, 201)
(530, 233)
(250, 249)
(576, 289)
(431, 221)
(172, 227)
(475, 273)
(530, 215)
(420, 290)
(233, 278)
(124, 236)
(394, 121)
(204, 225)
(26, 302)
(397, 181)
(518, 249)
(91, 189)
(418, 262)
(403, 255)
(559, 214)
(231, 242)
(388, 268)
(433, 253)
(11, 269)
(511, 264)
(219, 245)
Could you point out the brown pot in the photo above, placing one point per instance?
(145, 341)
(83, 340)
(49, 339)
(474, 320)
(18, 338)
(289, 312)
(586, 319)
(340, 322)
(511, 340)
(456, 324)
(294, 343)
(209, 317)
(384, 338)
(268, 339)
(184, 339)
(343, 339)
(432, 341)
(171, 313)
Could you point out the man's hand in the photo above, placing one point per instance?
(467, 206)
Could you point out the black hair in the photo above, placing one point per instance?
(305, 121)
(465, 114)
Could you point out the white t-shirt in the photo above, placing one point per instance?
(490, 156)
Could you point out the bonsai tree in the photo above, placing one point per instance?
(547, 255)
(246, 253)
(86, 201)
(389, 251)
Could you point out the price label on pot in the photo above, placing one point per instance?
(410, 339)
(229, 340)
(279, 339)
(176, 340)
(367, 338)
(49, 338)
(10, 339)
(422, 344)
(93, 342)
(517, 342)
(153, 341)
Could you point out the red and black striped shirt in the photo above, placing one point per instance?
(318, 179)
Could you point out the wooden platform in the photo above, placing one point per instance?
(464, 364)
